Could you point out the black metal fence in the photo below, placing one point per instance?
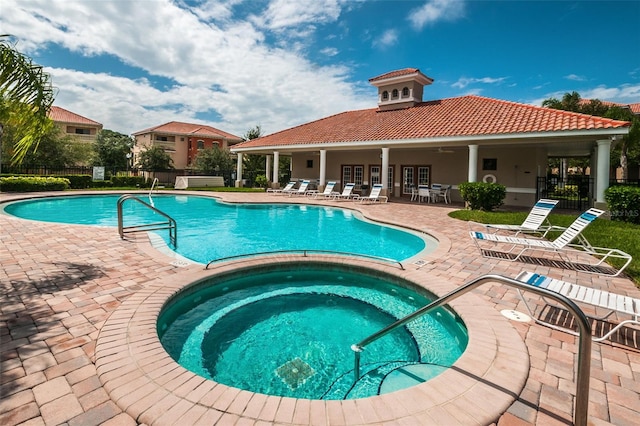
(575, 192)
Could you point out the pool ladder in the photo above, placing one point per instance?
(169, 224)
(584, 346)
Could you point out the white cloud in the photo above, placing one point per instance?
(330, 51)
(388, 38)
(625, 94)
(575, 77)
(218, 64)
(465, 81)
(434, 11)
(283, 14)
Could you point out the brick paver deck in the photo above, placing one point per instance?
(71, 294)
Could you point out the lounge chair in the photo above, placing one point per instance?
(346, 193)
(612, 302)
(327, 193)
(536, 222)
(562, 246)
(287, 188)
(374, 196)
(302, 189)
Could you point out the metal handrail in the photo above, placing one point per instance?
(170, 224)
(155, 180)
(304, 254)
(584, 347)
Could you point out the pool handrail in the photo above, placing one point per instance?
(580, 416)
(155, 181)
(170, 224)
(305, 252)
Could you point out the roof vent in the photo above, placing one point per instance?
(400, 89)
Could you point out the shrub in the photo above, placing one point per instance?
(483, 196)
(128, 181)
(33, 184)
(567, 191)
(261, 181)
(79, 181)
(624, 203)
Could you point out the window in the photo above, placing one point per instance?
(161, 138)
(489, 164)
(394, 94)
(309, 164)
(353, 174)
(385, 96)
(200, 144)
(414, 176)
(405, 92)
(80, 131)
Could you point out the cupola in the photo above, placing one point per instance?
(400, 89)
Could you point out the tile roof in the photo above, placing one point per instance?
(635, 107)
(397, 73)
(180, 128)
(64, 116)
(462, 116)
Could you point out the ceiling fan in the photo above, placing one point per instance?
(445, 151)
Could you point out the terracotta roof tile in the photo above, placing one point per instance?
(397, 73)
(462, 116)
(180, 128)
(635, 107)
(64, 116)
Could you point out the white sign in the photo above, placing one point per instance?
(98, 173)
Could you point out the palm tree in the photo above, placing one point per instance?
(26, 95)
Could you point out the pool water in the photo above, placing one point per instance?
(208, 229)
(288, 331)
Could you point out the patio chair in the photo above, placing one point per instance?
(439, 191)
(327, 193)
(562, 246)
(346, 193)
(287, 188)
(442, 192)
(537, 221)
(612, 302)
(424, 193)
(302, 189)
(374, 196)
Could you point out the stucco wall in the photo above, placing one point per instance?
(516, 168)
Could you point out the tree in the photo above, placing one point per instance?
(569, 102)
(55, 150)
(627, 151)
(155, 159)
(253, 133)
(213, 161)
(26, 95)
(112, 149)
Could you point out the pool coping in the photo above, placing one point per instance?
(146, 383)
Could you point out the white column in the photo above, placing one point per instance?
(276, 169)
(473, 163)
(323, 168)
(384, 172)
(267, 167)
(239, 171)
(602, 169)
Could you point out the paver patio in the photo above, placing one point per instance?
(62, 287)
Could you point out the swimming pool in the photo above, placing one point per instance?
(209, 229)
(288, 330)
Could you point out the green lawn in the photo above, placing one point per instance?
(601, 233)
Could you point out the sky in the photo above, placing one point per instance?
(238, 64)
